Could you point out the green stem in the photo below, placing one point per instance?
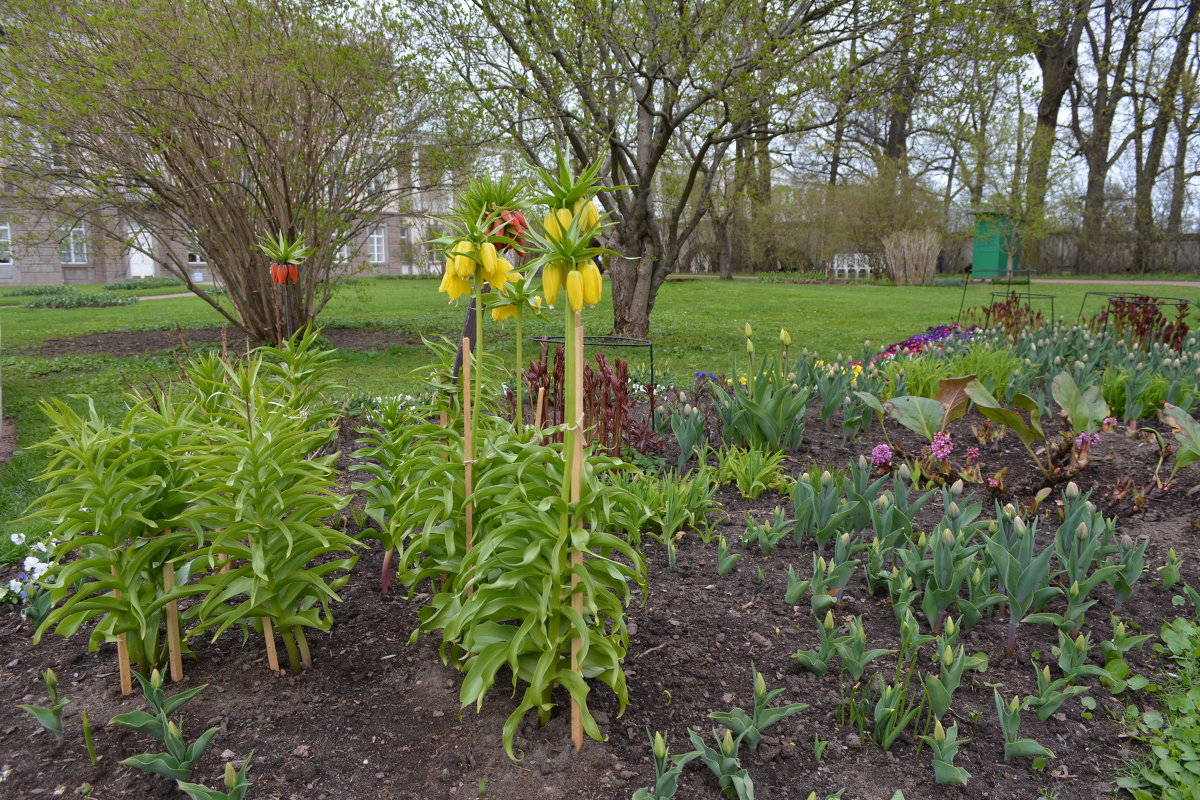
(520, 381)
(478, 360)
(302, 643)
(289, 642)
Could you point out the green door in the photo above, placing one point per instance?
(993, 239)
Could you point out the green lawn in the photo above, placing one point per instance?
(696, 325)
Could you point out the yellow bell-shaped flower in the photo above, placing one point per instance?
(575, 289)
(501, 313)
(464, 264)
(593, 284)
(552, 278)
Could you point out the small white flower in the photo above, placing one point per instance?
(4, 592)
(30, 563)
(17, 538)
(40, 547)
(39, 570)
(15, 586)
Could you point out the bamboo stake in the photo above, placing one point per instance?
(576, 457)
(468, 440)
(123, 653)
(537, 412)
(174, 646)
(269, 639)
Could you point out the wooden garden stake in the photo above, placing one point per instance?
(576, 456)
(269, 639)
(537, 412)
(123, 653)
(174, 646)
(468, 440)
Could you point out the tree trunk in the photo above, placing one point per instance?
(1143, 215)
(720, 225)
(1057, 56)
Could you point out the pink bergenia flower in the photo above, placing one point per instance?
(972, 455)
(881, 455)
(942, 446)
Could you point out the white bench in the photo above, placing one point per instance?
(846, 263)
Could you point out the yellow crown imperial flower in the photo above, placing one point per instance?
(556, 223)
(575, 290)
(552, 278)
(588, 216)
(593, 284)
(487, 260)
(502, 274)
(453, 285)
(501, 313)
(464, 264)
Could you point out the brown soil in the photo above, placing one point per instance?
(377, 717)
(135, 343)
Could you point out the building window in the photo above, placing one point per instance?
(342, 254)
(73, 248)
(404, 234)
(5, 243)
(377, 245)
(195, 255)
(379, 184)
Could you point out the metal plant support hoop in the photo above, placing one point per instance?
(1134, 299)
(605, 341)
(1028, 297)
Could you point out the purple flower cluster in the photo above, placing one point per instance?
(1085, 440)
(881, 455)
(705, 375)
(915, 345)
(972, 455)
(942, 446)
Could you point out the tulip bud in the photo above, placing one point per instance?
(660, 746)
(1126, 541)
(922, 540)
(750, 346)
(1014, 704)
(1072, 490)
(727, 746)
(1019, 524)
(947, 537)
(682, 397)
(760, 685)
(785, 337)
(948, 656)
(1046, 673)
(905, 472)
(1080, 644)
(939, 733)
(828, 623)
(1074, 589)
(1010, 511)
(791, 376)
(956, 489)
(826, 478)
(749, 330)
(1081, 532)
(951, 628)
(953, 511)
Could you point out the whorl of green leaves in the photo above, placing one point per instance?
(262, 496)
(114, 493)
(223, 463)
